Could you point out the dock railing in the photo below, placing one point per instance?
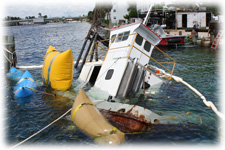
(100, 51)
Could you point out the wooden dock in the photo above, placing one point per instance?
(9, 52)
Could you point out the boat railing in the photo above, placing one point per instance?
(168, 60)
(100, 52)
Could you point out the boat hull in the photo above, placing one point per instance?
(128, 118)
(171, 40)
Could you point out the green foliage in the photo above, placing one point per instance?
(214, 9)
(126, 16)
(30, 17)
(90, 15)
(132, 12)
(158, 6)
(12, 18)
(106, 22)
(103, 11)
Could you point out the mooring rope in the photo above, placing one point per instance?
(7, 50)
(7, 59)
(42, 129)
(180, 80)
(11, 53)
(40, 91)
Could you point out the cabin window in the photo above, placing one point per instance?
(124, 36)
(139, 40)
(120, 38)
(147, 46)
(109, 74)
(113, 37)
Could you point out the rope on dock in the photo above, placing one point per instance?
(180, 80)
(42, 129)
(5, 49)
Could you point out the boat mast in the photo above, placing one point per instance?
(147, 15)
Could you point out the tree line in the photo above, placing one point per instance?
(8, 18)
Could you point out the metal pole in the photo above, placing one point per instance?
(147, 15)
(87, 37)
(93, 48)
(86, 54)
(96, 53)
(81, 52)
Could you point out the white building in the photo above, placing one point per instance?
(39, 20)
(119, 9)
(187, 19)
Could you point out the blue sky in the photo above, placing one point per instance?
(51, 8)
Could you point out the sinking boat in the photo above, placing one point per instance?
(87, 117)
(167, 40)
(15, 74)
(25, 85)
(57, 71)
(124, 67)
(123, 70)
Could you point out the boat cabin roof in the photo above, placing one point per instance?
(139, 28)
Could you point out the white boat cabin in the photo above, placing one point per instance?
(121, 72)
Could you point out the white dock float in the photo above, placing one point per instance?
(38, 66)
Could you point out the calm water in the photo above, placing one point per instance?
(196, 65)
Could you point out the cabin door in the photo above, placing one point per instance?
(184, 20)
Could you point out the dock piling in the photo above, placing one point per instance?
(10, 53)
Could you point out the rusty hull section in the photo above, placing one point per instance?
(128, 118)
(125, 122)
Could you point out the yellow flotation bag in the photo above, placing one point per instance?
(57, 71)
(87, 117)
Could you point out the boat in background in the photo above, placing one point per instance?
(25, 85)
(167, 40)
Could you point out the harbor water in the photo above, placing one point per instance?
(192, 121)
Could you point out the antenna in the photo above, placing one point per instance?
(147, 15)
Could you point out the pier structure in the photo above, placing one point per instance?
(40, 20)
(9, 52)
